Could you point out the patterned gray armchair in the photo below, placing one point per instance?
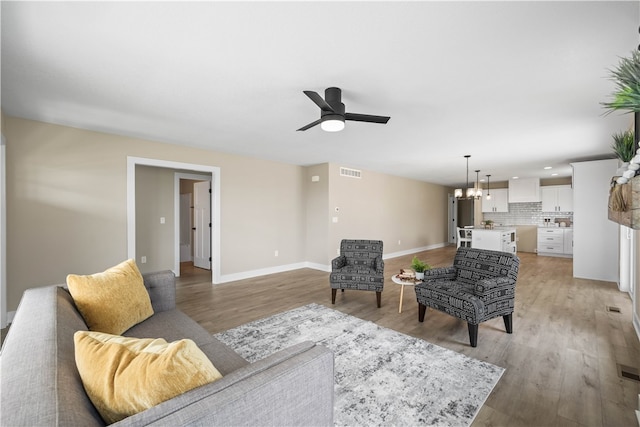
(359, 267)
(479, 286)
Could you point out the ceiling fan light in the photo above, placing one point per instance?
(332, 123)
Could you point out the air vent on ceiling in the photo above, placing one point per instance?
(351, 173)
(613, 309)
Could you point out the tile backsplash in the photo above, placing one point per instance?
(525, 214)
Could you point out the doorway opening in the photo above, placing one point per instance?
(214, 234)
(194, 225)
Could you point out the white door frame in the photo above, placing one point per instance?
(132, 162)
(3, 236)
(176, 188)
(453, 218)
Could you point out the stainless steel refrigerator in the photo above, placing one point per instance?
(465, 212)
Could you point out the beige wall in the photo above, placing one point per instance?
(155, 199)
(317, 213)
(67, 207)
(387, 208)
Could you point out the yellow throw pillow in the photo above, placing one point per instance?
(112, 301)
(124, 376)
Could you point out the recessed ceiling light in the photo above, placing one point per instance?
(548, 167)
(554, 174)
(515, 177)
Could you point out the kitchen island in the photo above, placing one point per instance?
(499, 239)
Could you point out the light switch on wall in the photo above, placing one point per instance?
(161, 220)
(334, 219)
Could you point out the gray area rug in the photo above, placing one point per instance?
(382, 377)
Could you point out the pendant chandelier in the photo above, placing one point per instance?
(488, 187)
(478, 191)
(470, 192)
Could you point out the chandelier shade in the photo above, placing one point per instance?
(467, 192)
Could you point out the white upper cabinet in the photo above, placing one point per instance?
(524, 190)
(499, 201)
(557, 198)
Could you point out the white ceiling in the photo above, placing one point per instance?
(516, 85)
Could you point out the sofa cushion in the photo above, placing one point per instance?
(452, 297)
(111, 301)
(173, 325)
(124, 376)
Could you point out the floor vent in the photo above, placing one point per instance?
(351, 173)
(628, 373)
(613, 309)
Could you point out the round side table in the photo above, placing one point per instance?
(403, 283)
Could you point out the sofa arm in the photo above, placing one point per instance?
(338, 262)
(291, 387)
(447, 273)
(161, 286)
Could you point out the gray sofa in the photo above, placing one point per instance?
(40, 385)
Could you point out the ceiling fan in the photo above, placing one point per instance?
(332, 115)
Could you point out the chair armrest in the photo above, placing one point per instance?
(448, 273)
(379, 265)
(161, 286)
(486, 287)
(338, 262)
(490, 291)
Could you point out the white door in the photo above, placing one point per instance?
(185, 227)
(202, 224)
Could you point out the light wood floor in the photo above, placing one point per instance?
(560, 361)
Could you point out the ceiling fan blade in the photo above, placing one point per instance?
(366, 118)
(310, 125)
(318, 100)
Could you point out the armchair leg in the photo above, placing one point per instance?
(508, 322)
(379, 298)
(422, 309)
(333, 296)
(473, 334)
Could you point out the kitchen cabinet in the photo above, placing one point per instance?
(568, 241)
(499, 201)
(557, 198)
(494, 240)
(555, 241)
(524, 190)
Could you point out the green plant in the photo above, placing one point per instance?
(419, 266)
(623, 145)
(627, 79)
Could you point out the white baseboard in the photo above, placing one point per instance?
(10, 316)
(414, 250)
(260, 272)
(322, 267)
(636, 325)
